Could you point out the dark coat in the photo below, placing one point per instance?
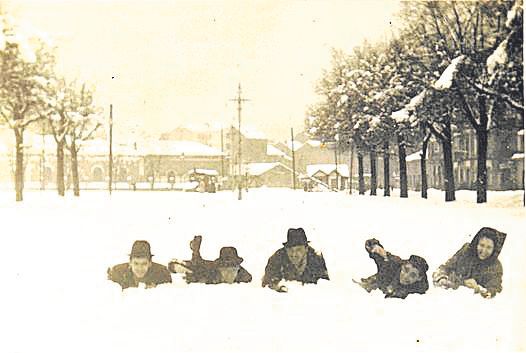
(205, 271)
(387, 279)
(123, 275)
(280, 268)
(465, 264)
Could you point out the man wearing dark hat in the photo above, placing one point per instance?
(140, 269)
(225, 269)
(228, 269)
(296, 261)
(395, 277)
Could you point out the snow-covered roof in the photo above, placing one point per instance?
(297, 145)
(274, 151)
(211, 172)
(446, 79)
(178, 148)
(204, 127)
(343, 169)
(518, 156)
(257, 169)
(100, 147)
(313, 143)
(252, 133)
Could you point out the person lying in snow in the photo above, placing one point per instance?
(140, 270)
(295, 261)
(225, 269)
(475, 265)
(396, 278)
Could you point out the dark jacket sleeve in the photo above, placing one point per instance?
(243, 276)
(492, 278)
(450, 270)
(321, 267)
(161, 274)
(452, 264)
(273, 270)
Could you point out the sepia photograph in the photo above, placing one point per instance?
(262, 176)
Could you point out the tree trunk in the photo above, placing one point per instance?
(19, 166)
(361, 183)
(482, 177)
(387, 186)
(60, 168)
(482, 151)
(74, 168)
(403, 166)
(423, 170)
(372, 156)
(449, 178)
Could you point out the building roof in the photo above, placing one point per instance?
(257, 169)
(274, 151)
(312, 169)
(178, 148)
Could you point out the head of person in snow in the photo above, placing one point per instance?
(475, 265)
(140, 258)
(296, 246)
(228, 264)
(373, 246)
(139, 269)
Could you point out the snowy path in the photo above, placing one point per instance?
(56, 296)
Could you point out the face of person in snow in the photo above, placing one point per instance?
(140, 265)
(296, 254)
(485, 248)
(409, 274)
(228, 274)
(377, 249)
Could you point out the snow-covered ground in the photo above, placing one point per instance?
(56, 298)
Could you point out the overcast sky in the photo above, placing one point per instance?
(177, 62)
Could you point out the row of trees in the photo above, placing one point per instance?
(33, 95)
(450, 65)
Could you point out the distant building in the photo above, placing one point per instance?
(269, 174)
(505, 161)
(337, 178)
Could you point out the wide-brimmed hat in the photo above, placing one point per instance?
(228, 257)
(296, 236)
(420, 263)
(141, 248)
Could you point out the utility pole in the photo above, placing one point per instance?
(110, 162)
(336, 162)
(350, 172)
(239, 100)
(293, 159)
(43, 161)
(222, 156)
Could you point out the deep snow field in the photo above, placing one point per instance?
(56, 298)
